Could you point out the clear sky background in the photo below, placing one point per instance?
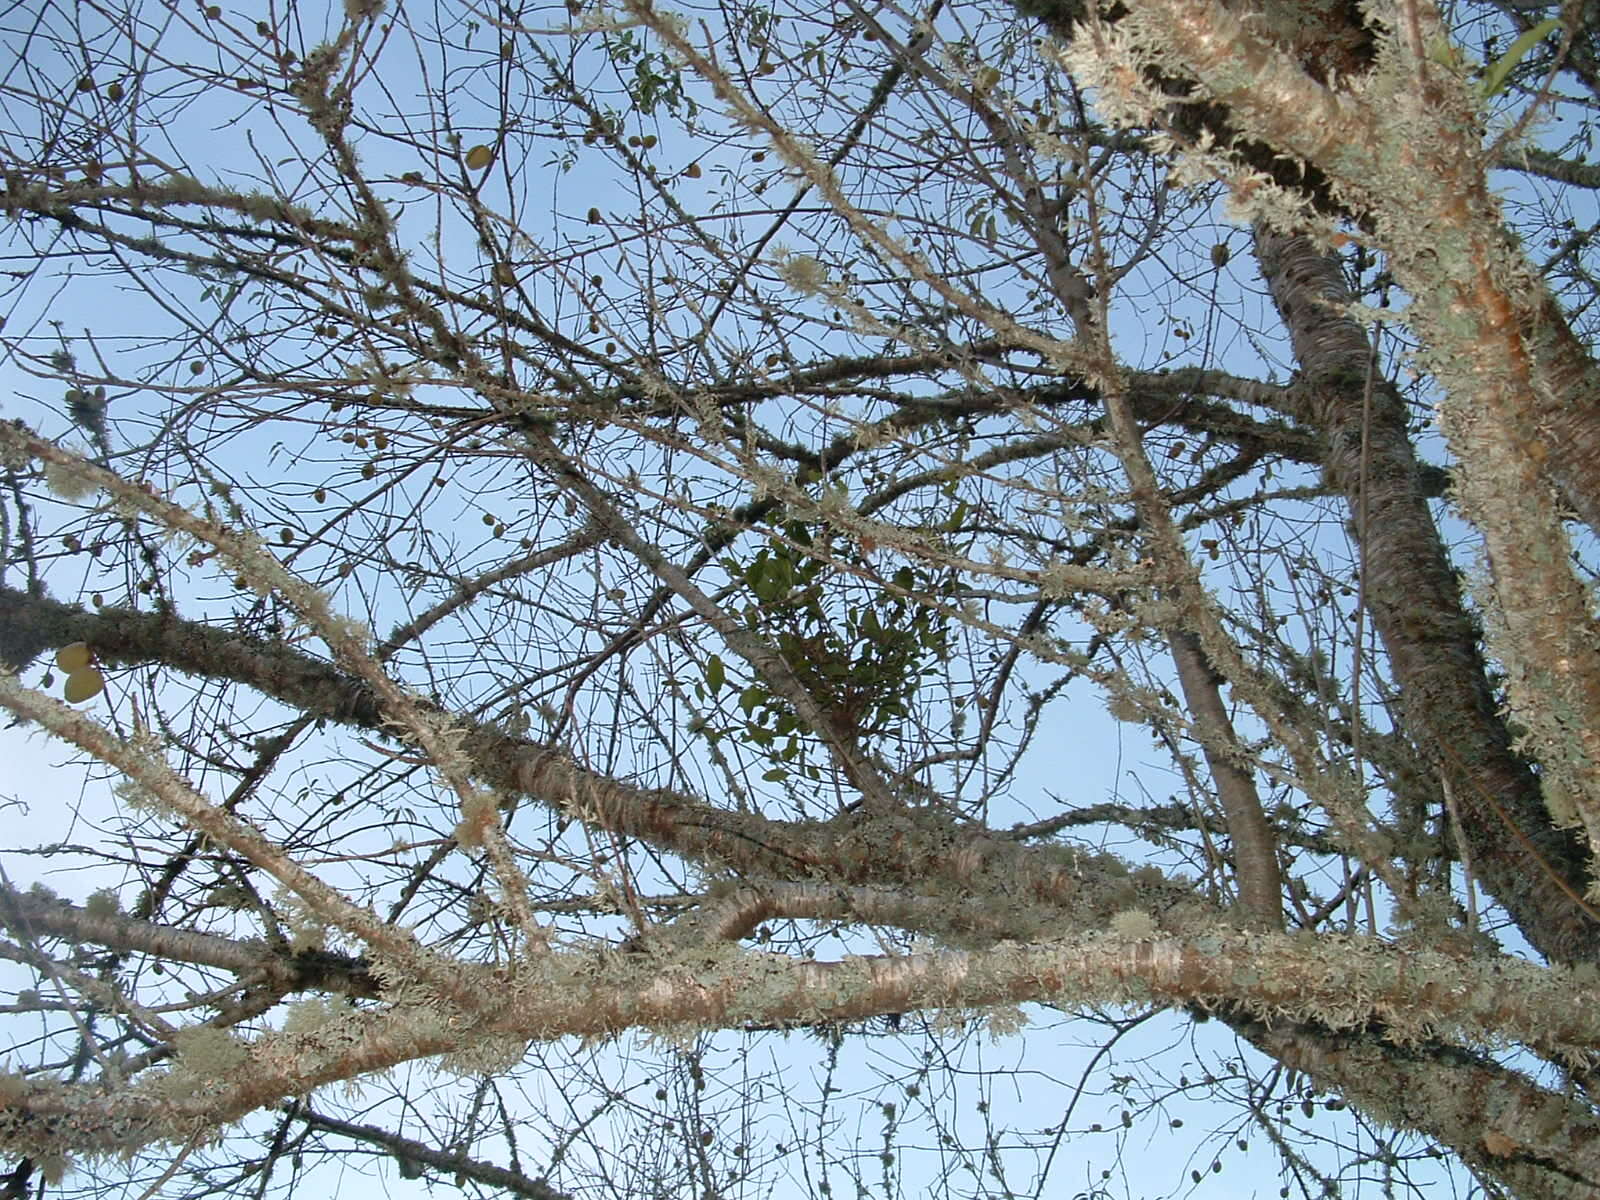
(1184, 1142)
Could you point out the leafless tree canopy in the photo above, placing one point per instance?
(740, 601)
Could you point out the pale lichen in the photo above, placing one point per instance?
(313, 1014)
(209, 1052)
(485, 1054)
(1133, 923)
(803, 273)
(70, 482)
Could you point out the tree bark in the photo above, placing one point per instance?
(1534, 869)
(1537, 871)
(1255, 846)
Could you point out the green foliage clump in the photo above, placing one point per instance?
(861, 648)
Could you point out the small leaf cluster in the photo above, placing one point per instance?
(655, 82)
(862, 651)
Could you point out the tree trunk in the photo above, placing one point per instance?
(1534, 869)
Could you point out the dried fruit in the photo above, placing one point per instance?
(74, 657)
(83, 684)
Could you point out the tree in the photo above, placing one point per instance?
(551, 525)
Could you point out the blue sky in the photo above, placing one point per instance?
(1178, 310)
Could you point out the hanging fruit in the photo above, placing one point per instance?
(74, 657)
(83, 684)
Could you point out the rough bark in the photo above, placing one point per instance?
(1255, 846)
(1370, 997)
(1534, 1141)
(1329, 36)
(1330, 40)
(1535, 870)
(1567, 411)
(1532, 868)
(909, 849)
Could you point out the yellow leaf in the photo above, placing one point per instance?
(479, 157)
(73, 657)
(83, 684)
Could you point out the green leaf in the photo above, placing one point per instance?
(716, 673)
(782, 574)
(1495, 77)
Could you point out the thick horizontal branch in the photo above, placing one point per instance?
(915, 848)
(1340, 984)
(1500, 1121)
